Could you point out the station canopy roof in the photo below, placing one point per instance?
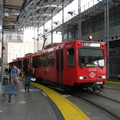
(23, 13)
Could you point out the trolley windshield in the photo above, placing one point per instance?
(90, 57)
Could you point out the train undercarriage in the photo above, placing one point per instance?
(92, 88)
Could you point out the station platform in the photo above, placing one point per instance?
(113, 80)
(40, 103)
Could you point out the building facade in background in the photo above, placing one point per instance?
(16, 46)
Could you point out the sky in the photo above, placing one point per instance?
(29, 33)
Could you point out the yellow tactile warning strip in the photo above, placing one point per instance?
(116, 83)
(67, 108)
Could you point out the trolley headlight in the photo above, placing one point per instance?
(102, 77)
(82, 77)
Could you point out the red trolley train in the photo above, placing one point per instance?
(64, 65)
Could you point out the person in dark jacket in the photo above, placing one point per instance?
(28, 74)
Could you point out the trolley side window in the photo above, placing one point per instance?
(25, 62)
(51, 59)
(19, 64)
(43, 60)
(35, 61)
(47, 59)
(70, 57)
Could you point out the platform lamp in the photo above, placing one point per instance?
(70, 12)
(45, 30)
(99, 0)
(56, 23)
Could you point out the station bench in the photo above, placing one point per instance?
(10, 90)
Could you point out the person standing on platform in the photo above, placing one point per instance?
(14, 74)
(28, 74)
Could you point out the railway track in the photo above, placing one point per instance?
(109, 105)
(110, 98)
(112, 88)
(103, 101)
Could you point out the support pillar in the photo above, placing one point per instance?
(51, 27)
(1, 31)
(37, 38)
(79, 21)
(1, 45)
(44, 37)
(34, 39)
(106, 18)
(63, 22)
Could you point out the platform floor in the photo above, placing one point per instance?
(41, 103)
(113, 80)
(31, 105)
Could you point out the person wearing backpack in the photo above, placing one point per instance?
(28, 74)
(14, 74)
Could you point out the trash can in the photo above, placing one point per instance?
(5, 81)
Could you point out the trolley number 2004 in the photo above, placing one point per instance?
(92, 69)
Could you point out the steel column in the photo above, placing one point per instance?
(79, 20)
(63, 21)
(1, 39)
(51, 27)
(34, 38)
(38, 38)
(106, 16)
(44, 37)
